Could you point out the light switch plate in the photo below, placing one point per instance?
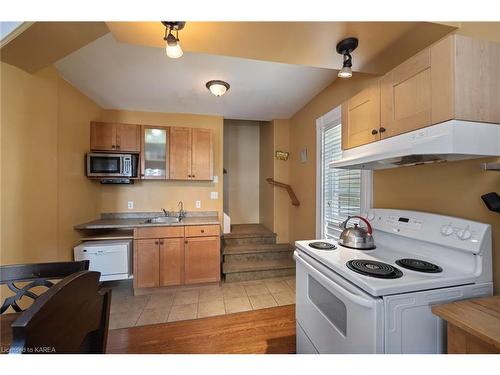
(198, 204)
(214, 195)
(130, 205)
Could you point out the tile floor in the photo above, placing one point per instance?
(191, 302)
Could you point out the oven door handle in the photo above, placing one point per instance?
(338, 285)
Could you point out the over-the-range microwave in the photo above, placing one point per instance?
(112, 165)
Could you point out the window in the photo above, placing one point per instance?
(341, 192)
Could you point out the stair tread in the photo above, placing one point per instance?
(256, 248)
(248, 231)
(231, 267)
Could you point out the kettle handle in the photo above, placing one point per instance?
(344, 224)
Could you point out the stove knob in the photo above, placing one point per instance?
(464, 234)
(446, 230)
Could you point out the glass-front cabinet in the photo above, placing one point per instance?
(155, 153)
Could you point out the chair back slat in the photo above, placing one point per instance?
(71, 317)
(34, 271)
(35, 275)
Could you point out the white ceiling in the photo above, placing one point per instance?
(124, 76)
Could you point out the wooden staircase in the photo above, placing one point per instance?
(250, 252)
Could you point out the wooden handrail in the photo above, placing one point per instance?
(288, 188)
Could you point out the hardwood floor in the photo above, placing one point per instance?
(254, 332)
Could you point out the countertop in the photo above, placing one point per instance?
(137, 220)
(478, 317)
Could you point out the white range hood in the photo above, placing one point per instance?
(448, 141)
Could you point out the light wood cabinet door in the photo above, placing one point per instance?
(128, 137)
(202, 260)
(201, 154)
(180, 153)
(102, 136)
(171, 261)
(405, 96)
(361, 118)
(146, 263)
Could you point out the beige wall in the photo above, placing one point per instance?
(282, 203)
(275, 205)
(303, 135)
(154, 195)
(241, 161)
(266, 194)
(45, 132)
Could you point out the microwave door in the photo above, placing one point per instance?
(105, 165)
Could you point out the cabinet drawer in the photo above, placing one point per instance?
(159, 232)
(202, 230)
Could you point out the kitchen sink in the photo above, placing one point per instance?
(162, 220)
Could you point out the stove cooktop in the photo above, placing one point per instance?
(419, 265)
(321, 245)
(406, 280)
(373, 268)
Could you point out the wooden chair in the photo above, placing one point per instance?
(34, 275)
(70, 317)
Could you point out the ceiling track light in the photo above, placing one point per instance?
(345, 47)
(217, 87)
(173, 47)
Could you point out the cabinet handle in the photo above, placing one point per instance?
(156, 242)
(192, 175)
(382, 129)
(161, 242)
(185, 242)
(374, 131)
(118, 147)
(113, 146)
(203, 231)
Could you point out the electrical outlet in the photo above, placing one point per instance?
(198, 204)
(214, 195)
(130, 205)
(216, 180)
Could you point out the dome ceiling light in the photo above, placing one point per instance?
(173, 47)
(345, 47)
(217, 87)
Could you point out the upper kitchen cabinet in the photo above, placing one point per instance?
(456, 78)
(191, 154)
(405, 96)
(155, 153)
(361, 118)
(115, 137)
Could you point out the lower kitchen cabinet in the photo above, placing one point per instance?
(202, 260)
(146, 263)
(171, 261)
(169, 256)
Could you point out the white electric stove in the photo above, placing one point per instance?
(379, 301)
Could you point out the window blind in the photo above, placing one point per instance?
(341, 187)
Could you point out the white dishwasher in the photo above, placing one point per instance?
(113, 259)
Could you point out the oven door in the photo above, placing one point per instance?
(336, 316)
(105, 165)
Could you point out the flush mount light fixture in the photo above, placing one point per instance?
(217, 87)
(345, 47)
(173, 49)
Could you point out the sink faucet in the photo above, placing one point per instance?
(182, 213)
(165, 212)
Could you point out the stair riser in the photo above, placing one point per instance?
(249, 240)
(258, 275)
(256, 257)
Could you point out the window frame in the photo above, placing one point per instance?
(330, 119)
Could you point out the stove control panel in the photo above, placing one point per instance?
(445, 230)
